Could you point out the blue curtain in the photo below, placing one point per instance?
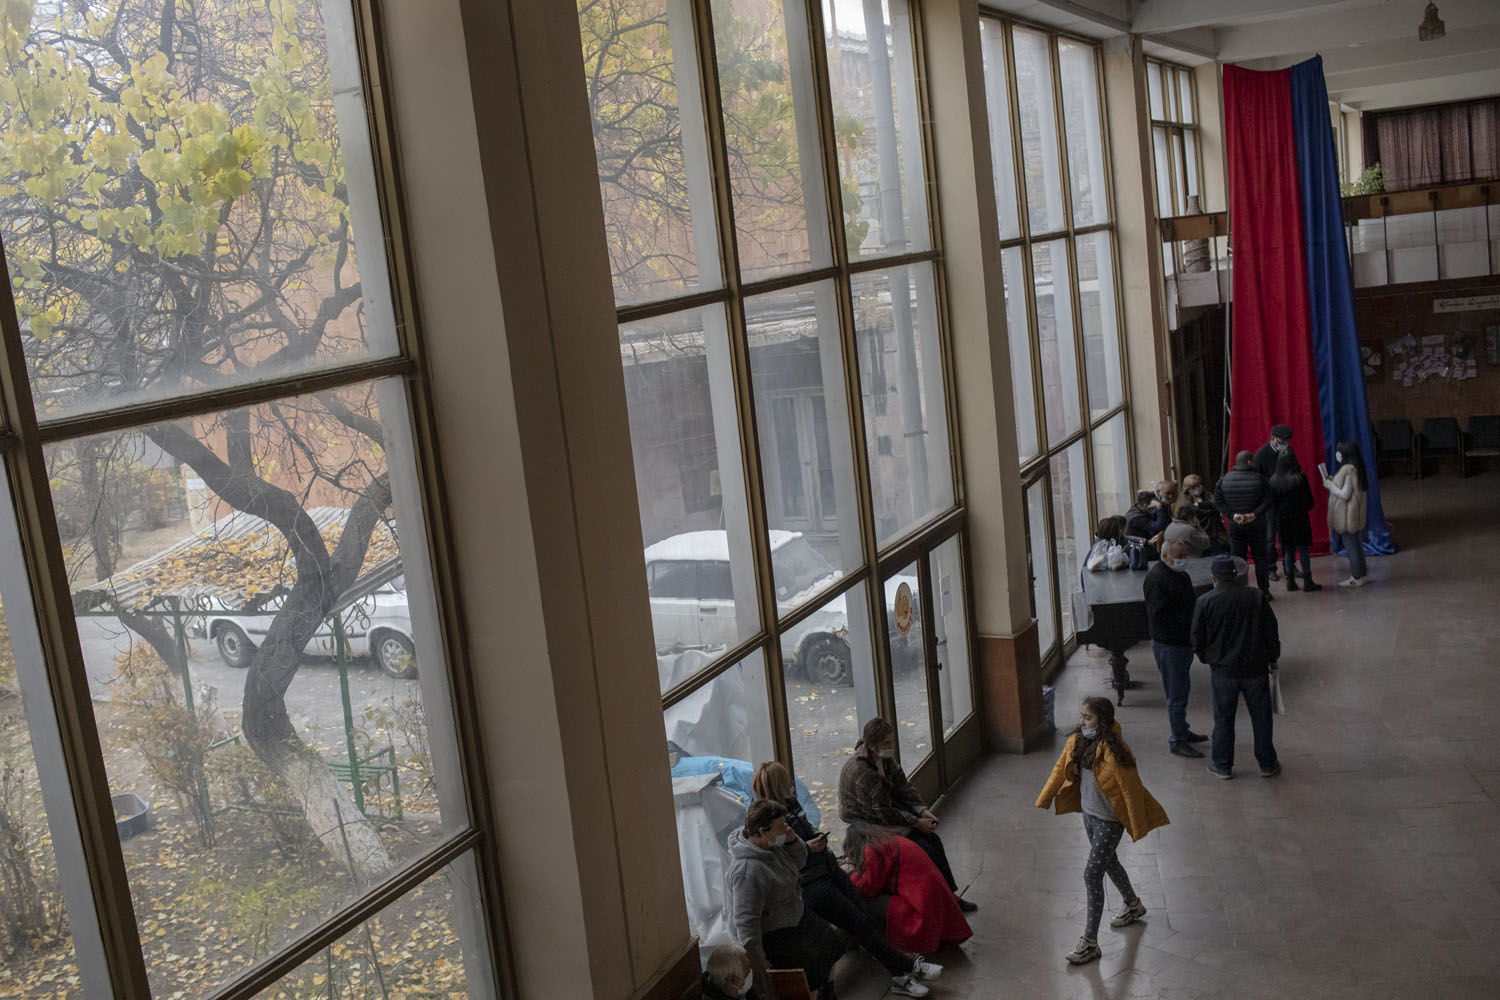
(1330, 290)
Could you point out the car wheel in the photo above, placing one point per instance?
(395, 654)
(234, 645)
(826, 661)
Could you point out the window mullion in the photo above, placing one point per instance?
(67, 680)
(752, 486)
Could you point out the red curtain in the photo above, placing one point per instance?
(1272, 379)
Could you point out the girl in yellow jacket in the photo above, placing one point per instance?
(1096, 775)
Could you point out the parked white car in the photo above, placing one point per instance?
(385, 635)
(692, 601)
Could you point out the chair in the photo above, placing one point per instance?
(1482, 439)
(1395, 440)
(1440, 438)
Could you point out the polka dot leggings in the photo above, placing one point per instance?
(1104, 840)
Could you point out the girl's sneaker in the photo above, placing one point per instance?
(907, 986)
(1087, 951)
(1129, 915)
(925, 970)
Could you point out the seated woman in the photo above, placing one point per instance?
(873, 789)
(827, 891)
(923, 914)
(1198, 506)
(1184, 530)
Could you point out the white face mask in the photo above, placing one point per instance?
(887, 753)
(786, 838)
(1338, 456)
(1088, 734)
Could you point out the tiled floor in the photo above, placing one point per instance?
(1370, 868)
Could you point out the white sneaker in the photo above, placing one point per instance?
(907, 986)
(1351, 582)
(925, 970)
(1359, 581)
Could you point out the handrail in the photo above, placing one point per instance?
(1358, 207)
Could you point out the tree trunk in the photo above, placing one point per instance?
(102, 525)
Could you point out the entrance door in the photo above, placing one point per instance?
(800, 473)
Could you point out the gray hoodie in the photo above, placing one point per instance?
(762, 887)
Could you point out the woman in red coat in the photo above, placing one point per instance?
(923, 913)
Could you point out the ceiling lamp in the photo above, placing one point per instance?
(1431, 26)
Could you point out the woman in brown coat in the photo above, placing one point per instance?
(1096, 775)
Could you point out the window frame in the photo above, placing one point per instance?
(931, 529)
(1038, 467)
(121, 960)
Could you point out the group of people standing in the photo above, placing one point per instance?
(892, 892)
(1267, 497)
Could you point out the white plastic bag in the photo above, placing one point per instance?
(1277, 704)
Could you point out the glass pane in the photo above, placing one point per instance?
(424, 946)
(1166, 205)
(1190, 162)
(1012, 265)
(1112, 492)
(1054, 322)
(877, 126)
(955, 677)
(279, 700)
(1040, 156)
(641, 70)
(1085, 132)
(1039, 548)
(903, 614)
(1179, 172)
(901, 372)
(1071, 531)
(36, 942)
(797, 369)
(689, 477)
(200, 206)
(997, 104)
(1101, 331)
(715, 737)
(1154, 73)
(1185, 96)
(830, 693)
(771, 132)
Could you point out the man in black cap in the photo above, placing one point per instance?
(1265, 464)
(1244, 497)
(1234, 631)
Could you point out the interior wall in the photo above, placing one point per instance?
(1387, 313)
(1141, 307)
(542, 513)
(1008, 669)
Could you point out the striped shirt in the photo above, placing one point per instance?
(1095, 802)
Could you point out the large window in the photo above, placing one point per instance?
(1058, 255)
(237, 769)
(786, 369)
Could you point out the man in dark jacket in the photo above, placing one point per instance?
(1265, 464)
(1244, 496)
(1234, 631)
(1147, 517)
(1170, 600)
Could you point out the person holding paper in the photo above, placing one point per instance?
(1346, 507)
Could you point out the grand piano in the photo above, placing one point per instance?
(1110, 612)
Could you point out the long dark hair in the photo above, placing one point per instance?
(1288, 474)
(1084, 749)
(1353, 456)
(876, 732)
(860, 835)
